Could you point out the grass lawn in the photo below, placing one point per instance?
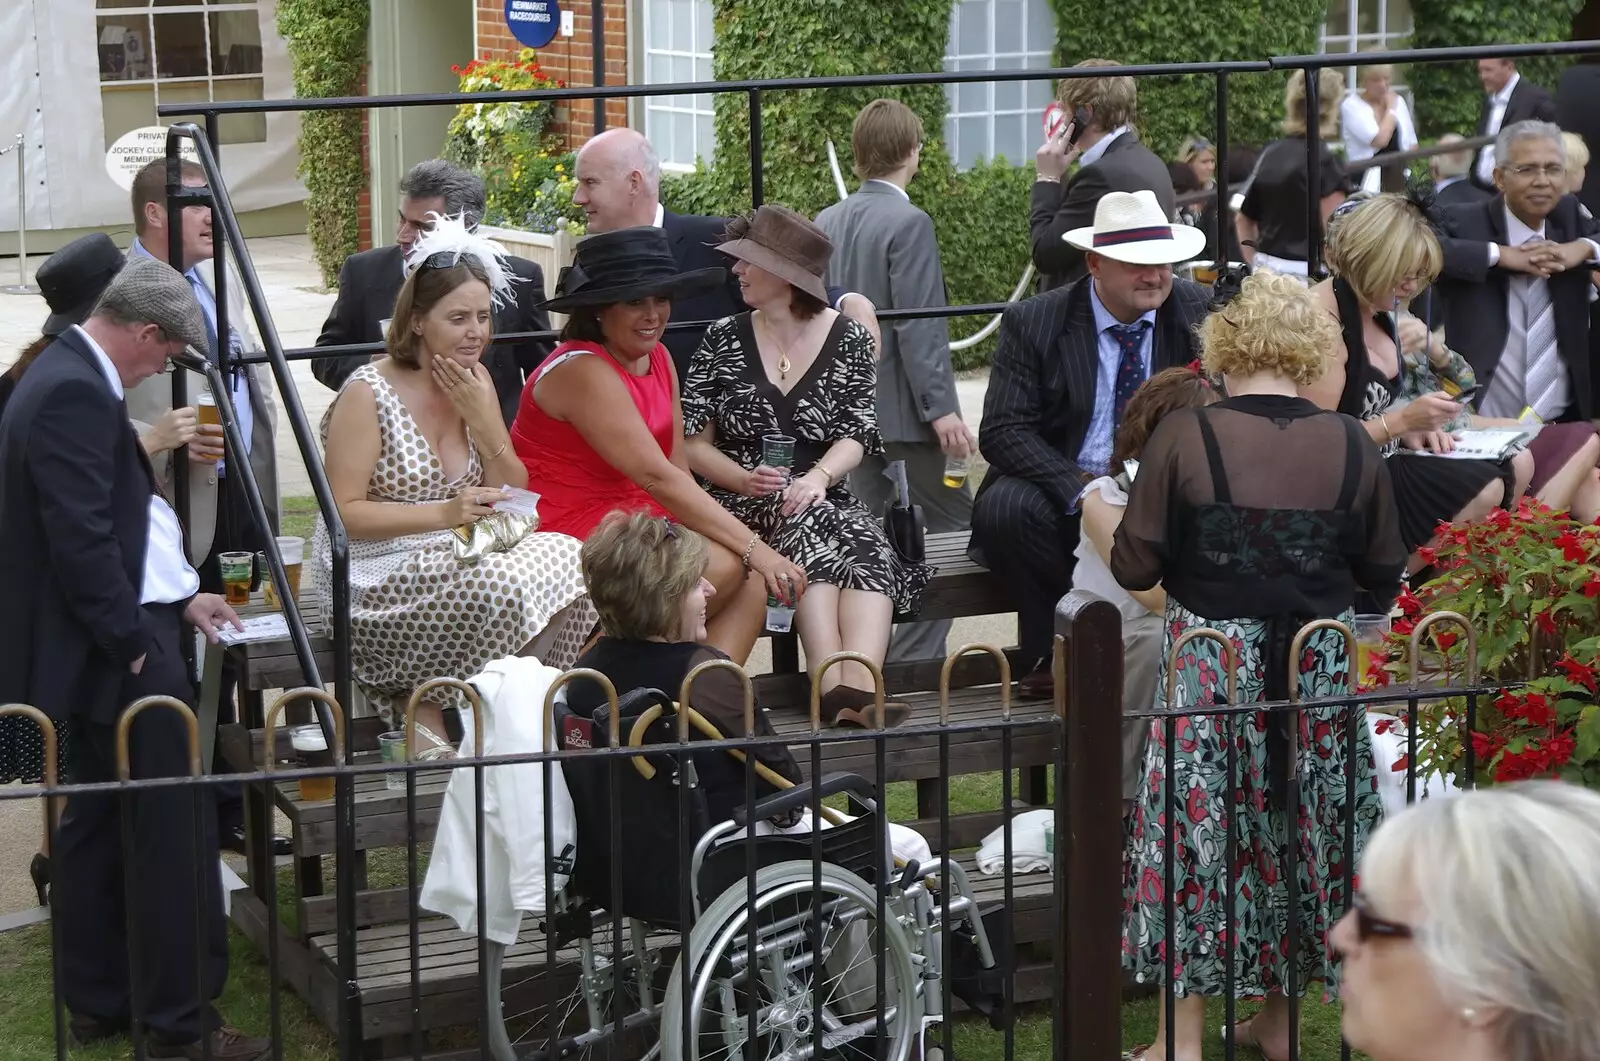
(25, 974)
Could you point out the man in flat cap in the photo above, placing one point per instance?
(99, 596)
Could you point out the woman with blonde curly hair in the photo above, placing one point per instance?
(1245, 548)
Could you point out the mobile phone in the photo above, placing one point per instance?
(1080, 122)
(1057, 124)
(1467, 395)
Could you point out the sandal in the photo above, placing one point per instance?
(1244, 1034)
(846, 707)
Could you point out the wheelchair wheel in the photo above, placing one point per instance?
(797, 973)
(602, 1002)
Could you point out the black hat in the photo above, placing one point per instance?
(623, 265)
(74, 277)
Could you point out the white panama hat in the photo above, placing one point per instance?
(1130, 227)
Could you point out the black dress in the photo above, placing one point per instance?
(716, 695)
(1427, 489)
(838, 542)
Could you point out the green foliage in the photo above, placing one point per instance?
(328, 45)
(1448, 94)
(526, 174)
(1179, 31)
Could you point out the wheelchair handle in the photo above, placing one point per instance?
(800, 796)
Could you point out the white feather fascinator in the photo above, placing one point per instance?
(449, 240)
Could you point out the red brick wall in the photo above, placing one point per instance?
(364, 200)
(568, 58)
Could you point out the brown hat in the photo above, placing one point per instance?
(785, 244)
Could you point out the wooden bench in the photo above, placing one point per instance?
(448, 969)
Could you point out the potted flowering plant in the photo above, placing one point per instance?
(1529, 585)
(488, 134)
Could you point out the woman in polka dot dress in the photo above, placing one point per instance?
(415, 445)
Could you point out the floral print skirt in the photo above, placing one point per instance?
(1205, 797)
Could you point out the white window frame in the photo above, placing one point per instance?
(1035, 55)
(1351, 40)
(144, 18)
(675, 157)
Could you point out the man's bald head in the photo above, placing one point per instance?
(619, 180)
(1454, 164)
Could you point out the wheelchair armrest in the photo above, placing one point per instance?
(800, 796)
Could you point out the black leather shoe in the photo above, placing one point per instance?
(233, 840)
(86, 1030)
(224, 1044)
(1040, 684)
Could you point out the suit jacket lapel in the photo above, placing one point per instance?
(1077, 354)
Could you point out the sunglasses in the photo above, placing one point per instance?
(1370, 926)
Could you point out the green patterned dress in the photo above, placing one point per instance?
(1217, 520)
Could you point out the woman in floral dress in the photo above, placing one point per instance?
(1257, 515)
(794, 367)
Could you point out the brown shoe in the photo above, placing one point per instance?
(851, 708)
(226, 1044)
(1040, 684)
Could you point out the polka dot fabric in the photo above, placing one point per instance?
(415, 612)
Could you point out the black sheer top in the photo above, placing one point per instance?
(1260, 506)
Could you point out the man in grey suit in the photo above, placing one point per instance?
(884, 248)
(1110, 159)
(1067, 362)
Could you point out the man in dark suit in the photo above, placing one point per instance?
(619, 186)
(99, 597)
(369, 283)
(1450, 184)
(1110, 159)
(1507, 100)
(1067, 362)
(1516, 282)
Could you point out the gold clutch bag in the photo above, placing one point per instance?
(495, 533)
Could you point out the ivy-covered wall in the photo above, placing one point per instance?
(328, 45)
(1182, 31)
(1448, 95)
(980, 216)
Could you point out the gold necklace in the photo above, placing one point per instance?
(784, 364)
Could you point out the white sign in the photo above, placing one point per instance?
(133, 150)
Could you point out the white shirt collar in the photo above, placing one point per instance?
(1504, 95)
(1444, 182)
(661, 214)
(107, 369)
(1091, 156)
(1516, 232)
(889, 184)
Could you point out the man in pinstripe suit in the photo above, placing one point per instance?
(1066, 363)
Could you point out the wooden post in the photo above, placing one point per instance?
(1088, 947)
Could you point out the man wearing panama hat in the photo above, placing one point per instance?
(1067, 362)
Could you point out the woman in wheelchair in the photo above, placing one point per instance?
(662, 851)
(647, 581)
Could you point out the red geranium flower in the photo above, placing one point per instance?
(1573, 549)
(1591, 588)
(1579, 673)
(1546, 622)
(1427, 554)
(1409, 604)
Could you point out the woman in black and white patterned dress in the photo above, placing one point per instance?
(792, 366)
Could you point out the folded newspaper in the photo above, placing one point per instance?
(1487, 443)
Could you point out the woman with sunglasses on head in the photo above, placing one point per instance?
(1476, 933)
(600, 427)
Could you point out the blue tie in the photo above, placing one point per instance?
(1130, 370)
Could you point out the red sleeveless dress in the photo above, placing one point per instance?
(576, 486)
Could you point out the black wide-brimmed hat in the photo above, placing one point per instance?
(623, 265)
(74, 277)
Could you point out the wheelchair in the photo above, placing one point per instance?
(783, 958)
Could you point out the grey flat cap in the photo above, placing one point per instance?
(153, 292)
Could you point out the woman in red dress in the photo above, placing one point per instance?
(600, 426)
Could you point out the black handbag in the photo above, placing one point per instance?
(907, 532)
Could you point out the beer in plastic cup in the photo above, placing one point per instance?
(291, 551)
(205, 408)
(1370, 631)
(237, 570)
(311, 749)
(955, 471)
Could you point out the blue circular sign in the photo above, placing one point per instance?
(533, 22)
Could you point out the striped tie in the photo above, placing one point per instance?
(1541, 353)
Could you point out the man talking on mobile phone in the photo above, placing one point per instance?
(1097, 133)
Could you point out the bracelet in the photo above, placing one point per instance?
(496, 454)
(750, 547)
(1037, 177)
(826, 474)
(1387, 430)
